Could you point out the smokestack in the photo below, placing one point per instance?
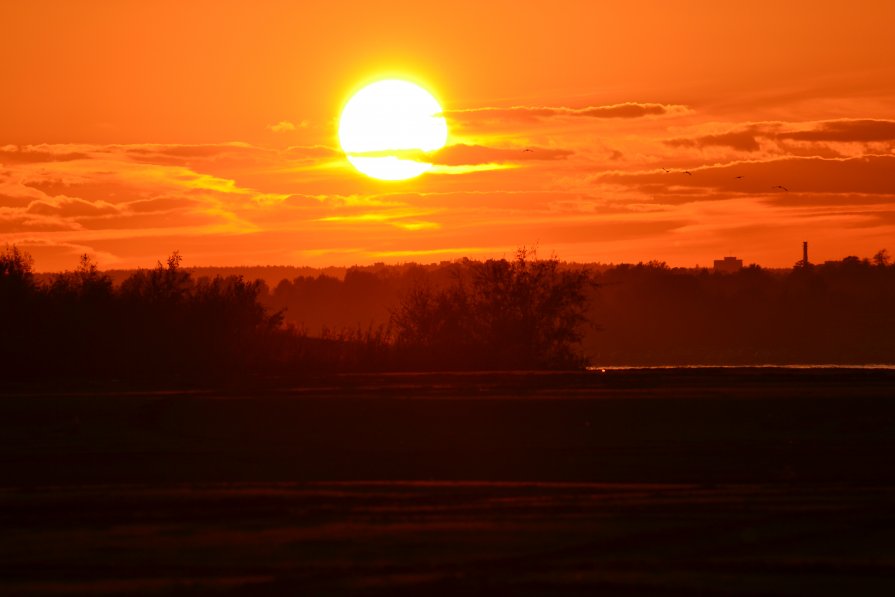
(805, 253)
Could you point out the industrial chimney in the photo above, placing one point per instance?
(805, 253)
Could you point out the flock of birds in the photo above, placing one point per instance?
(688, 173)
(738, 177)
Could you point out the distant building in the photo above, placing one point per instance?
(728, 265)
(803, 262)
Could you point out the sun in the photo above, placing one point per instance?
(387, 127)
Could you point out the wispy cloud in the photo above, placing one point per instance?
(831, 138)
(462, 154)
(867, 174)
(744, 140)
(283, 126)
(535, 113)
(845, 131)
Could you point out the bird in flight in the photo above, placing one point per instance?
(527, 149)
(666, 169)
(738, 177)
(688, 173)
(780, 186)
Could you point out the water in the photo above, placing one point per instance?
(815, 367)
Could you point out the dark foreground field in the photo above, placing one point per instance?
(700, 482)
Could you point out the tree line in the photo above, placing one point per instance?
(164, 324)
(158, 323)
(840, 312)
(521, 313)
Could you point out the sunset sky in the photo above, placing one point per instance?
(130, 129)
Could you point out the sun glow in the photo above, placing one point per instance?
(387, 127)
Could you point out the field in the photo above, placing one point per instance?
(651, 482)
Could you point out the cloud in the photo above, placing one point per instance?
(64, 253)
(739, 140)
(144, 153)
(538, 113)
(283, 126)
(404, 218)
(29, 154)
(462, 154)
(846, 131)
(131, 189)
(441, 252)
(229, 202)
(469, 155)
(63, 206)
(203, 150)
(818, 138)
(310, 152)
(868, 174)
(162, 204)
(12, 222)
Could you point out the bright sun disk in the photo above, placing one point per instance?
(387, 126)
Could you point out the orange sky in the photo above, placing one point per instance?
(130, 129)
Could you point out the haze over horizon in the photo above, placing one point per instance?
(623, 132)
(189, 265)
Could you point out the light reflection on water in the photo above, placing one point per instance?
(874, 366)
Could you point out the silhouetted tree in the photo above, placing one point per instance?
(165, 285)
(78, 313)
(86, 281)
(227, 323)
(16, 275)
(525, 314)
(20, 308)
